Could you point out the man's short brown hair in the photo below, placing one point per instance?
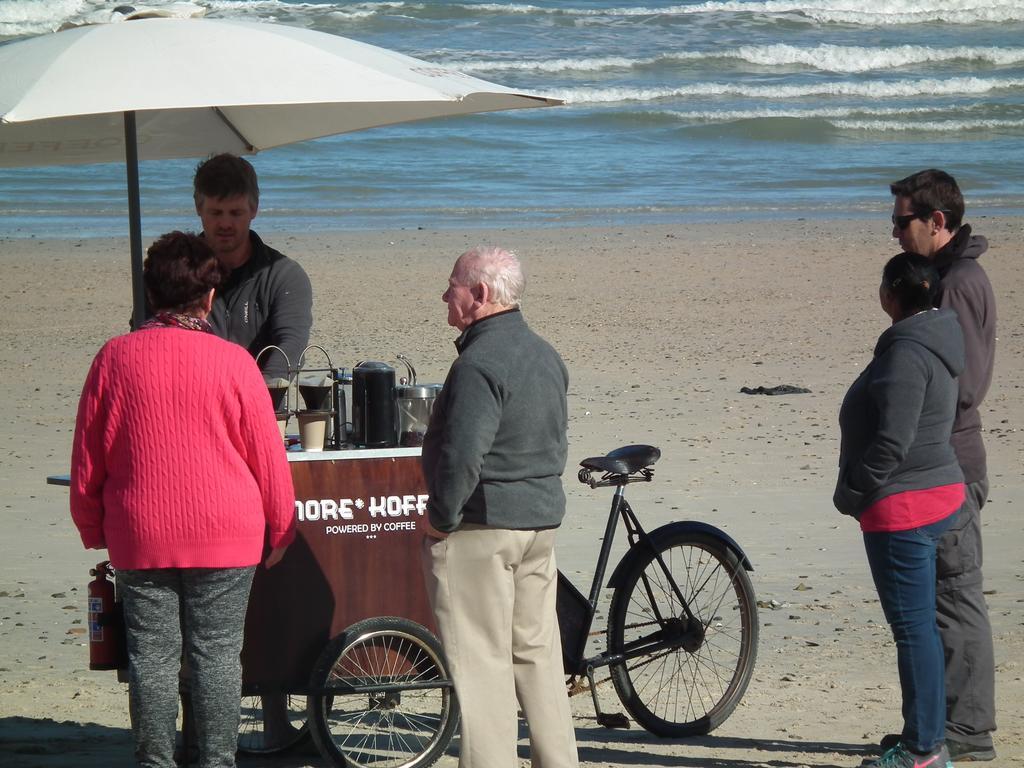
(932, 190)
(225, 175)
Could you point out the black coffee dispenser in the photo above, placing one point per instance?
(373, 405)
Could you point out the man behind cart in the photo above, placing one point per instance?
(493, 457)
(267, 299)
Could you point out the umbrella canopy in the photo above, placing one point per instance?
(164, 88)
(203, 85)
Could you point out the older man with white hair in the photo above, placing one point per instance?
(493, 457)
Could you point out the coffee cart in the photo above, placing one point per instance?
(339, 639)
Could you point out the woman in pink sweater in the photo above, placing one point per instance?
(179, 471)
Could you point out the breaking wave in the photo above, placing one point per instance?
(830, 58)
(877, 89)
(858, 12)
(24, 17)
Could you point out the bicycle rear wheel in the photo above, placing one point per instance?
(683, 678)
(394, 706)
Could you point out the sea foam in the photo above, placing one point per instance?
(929, 126)
(944, 119)
(711, 115)
(34, 17)
(842, 58)
(831, 58)
(876, 89)
(22, 17)
(859, 12)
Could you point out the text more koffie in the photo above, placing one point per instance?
(324, 510)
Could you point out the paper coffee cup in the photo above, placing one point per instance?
(313, 429)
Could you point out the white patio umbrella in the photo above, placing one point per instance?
(164, 88)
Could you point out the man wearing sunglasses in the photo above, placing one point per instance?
(927, 219)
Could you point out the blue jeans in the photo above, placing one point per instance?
(903, 568)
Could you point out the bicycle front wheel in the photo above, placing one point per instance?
(683, 677)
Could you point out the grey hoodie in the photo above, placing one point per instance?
(897, 416)
(966, 289)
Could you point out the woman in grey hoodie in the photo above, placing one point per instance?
(899, 476)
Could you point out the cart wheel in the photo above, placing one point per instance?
(271, 723)
(391, 702)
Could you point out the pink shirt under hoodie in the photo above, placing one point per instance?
(177, 461)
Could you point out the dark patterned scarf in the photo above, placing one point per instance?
(176, 320)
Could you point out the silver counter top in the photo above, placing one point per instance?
(353, 453)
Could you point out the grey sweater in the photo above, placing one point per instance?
(897, 416)
(496, 446)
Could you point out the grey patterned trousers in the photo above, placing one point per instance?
(206, 607)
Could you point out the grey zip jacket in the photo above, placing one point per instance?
(897, 417)
(267, 300)
(496, 445)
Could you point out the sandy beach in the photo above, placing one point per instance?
(660, 328)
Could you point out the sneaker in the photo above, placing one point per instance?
(901, 757)
(960, 751)
(969, 753)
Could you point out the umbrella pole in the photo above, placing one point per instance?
(131, 158)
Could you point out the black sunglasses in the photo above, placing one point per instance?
(902, 222)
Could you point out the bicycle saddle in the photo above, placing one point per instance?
(625, 460)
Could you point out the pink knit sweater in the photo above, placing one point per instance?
(177, 461)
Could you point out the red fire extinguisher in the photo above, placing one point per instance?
(106, 621)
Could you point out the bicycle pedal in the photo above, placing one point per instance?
(613, 720)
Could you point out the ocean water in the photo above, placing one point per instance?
(676, 112)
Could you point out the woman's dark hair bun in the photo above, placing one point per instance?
(912, 280)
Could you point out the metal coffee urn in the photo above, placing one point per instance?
(373, 405)
(415, 402)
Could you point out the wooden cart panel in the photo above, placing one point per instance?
(360, 524)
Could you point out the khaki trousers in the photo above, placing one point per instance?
(493, 594)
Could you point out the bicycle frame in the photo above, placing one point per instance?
(637, 536)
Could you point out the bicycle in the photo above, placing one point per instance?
(682, 628)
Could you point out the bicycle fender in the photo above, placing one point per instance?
(685, 526)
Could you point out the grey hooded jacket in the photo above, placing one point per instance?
(965, 288)
(897, 417)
